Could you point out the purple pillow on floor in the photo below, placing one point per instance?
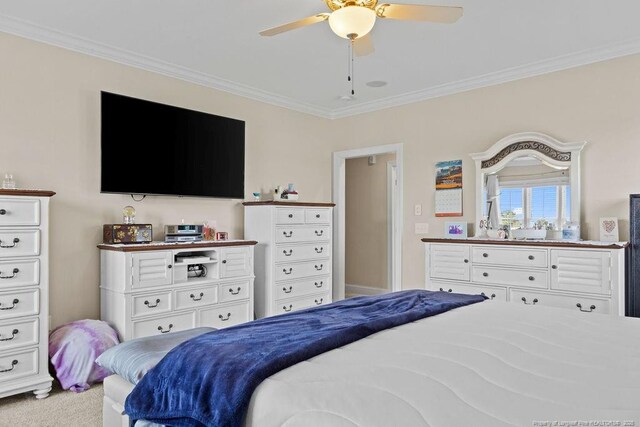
(74, 348)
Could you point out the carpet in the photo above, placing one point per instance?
(61, 408)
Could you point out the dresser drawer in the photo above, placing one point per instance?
(151, 303)
(19, 303)
(292, 271)
(302, 287)
(317, 216)
(494, 294)
(196, 297)
(587, 305)
(18, 364)
(19, 243)
(19, 212)
(164, 325)
(321, 233)
(225, 316)
(234, 291)
(502, 276)
(288, 253)
(18, 333)
(19, 273)
(514, 257)
(287, 306)
(289, 216)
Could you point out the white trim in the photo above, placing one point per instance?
(392, 188)
(364, 290)
(50, 36)
(339, 213)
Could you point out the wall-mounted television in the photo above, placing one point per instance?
(156, 149)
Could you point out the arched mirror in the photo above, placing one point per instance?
(528, 181)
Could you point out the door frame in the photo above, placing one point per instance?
(392, 190)
(339, 214)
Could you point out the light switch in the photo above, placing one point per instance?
(418, 210)
(422, 228)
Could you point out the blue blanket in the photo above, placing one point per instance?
(209, 379)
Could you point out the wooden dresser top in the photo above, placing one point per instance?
(163, 246)
(289, 203)
(545, 243)
(26, 192)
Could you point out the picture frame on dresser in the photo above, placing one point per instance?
(24, 292)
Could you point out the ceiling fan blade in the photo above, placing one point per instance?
(296, 24)
(363, 46)
(416, 12)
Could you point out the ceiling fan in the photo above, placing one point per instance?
(354, 19)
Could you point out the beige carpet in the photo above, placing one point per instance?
(61, 408)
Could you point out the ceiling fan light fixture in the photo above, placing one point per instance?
(352, 20)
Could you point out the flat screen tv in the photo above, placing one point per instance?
(151, 148)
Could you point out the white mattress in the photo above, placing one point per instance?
(489, 364)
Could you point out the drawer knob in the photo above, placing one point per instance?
(284, 270)
(319, 233)
(492, 295)
(593, 307)
(555, 267)
(13, 335)
(290, 215)
(318, 284)
(486, 255)
(531, 257)
(319, 268)
(287, 309)
(15, 271)
(319, 302)
(13, 365)
(224, 261)
(152, 306)
(485, 274)
(534, 302)
(15, 242)
(15, 302)
(466, 261)
(318, 216)
(165, 331)
(288, 253)
(3, 211)
(319, 250)
(531, 278)
(198, 298)
(287, 235)
(288, 291)
(236, 292)
(169, 266)
(224, 319)
(442, 290)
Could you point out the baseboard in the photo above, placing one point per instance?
(364, 290)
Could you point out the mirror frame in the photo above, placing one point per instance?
(548, 150)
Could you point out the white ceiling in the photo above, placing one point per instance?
(216, 43)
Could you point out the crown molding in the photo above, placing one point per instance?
(585, 57)
(57, 38)
(103, 51)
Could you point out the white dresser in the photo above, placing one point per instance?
(24, 292)
(293, 255)
(586, 277)
(157, 288)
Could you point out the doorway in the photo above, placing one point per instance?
(367, 191)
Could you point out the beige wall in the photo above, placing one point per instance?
(366, 239)
(50, 138)
(49, 135)
(599, 103)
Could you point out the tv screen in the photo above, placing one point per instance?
(151, 148)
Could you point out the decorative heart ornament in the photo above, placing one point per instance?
(609, 225)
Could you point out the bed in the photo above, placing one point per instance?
(486, 364)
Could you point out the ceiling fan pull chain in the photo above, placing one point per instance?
(353, 78)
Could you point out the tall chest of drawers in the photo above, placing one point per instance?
(585, 277)
(24, 292)
(293, 255)
(154, 289)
